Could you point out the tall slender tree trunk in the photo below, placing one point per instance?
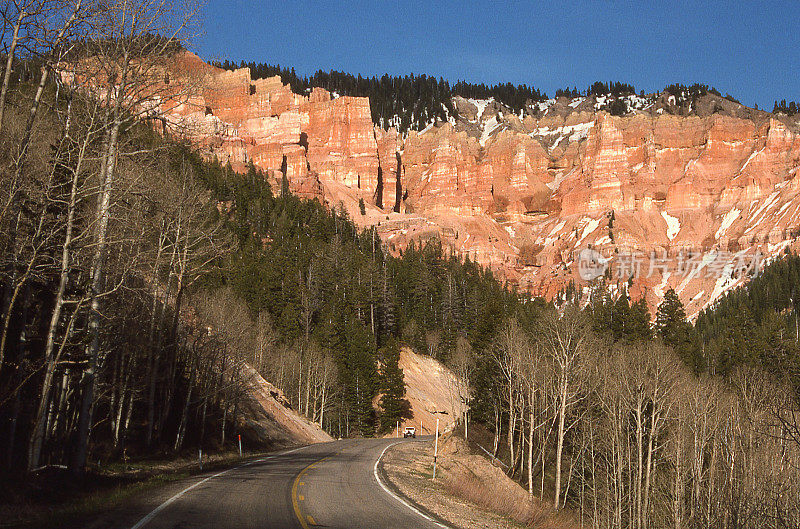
(12, 49)
(151, 353)
(560, 442)
(497, 432)
(51, 359)
(530, 446)
(89, 378)
(185, 412)
(15, 287)
(677, 493)
(654, 427)
(224, 420)
(543, 453)
(512, 419)
(322, 406)
(639, 464)
(34, 110)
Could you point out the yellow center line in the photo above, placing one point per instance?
(296, 498)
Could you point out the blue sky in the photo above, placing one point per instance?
(750, 49)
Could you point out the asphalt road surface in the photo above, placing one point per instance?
(332, 485)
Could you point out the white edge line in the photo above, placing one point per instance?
(144, 521)
(388, 491)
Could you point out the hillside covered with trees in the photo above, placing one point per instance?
(141, 282)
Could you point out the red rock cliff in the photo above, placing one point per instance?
(522, 195)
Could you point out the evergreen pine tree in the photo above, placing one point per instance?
(620, 314)
(675, 331)
(393, 402)
(638, 324)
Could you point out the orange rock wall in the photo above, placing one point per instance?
(491, 185)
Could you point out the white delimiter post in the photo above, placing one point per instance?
(436, 448)
(397, 429)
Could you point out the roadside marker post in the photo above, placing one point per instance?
(436, 448)
(397, 430)
(200, 457)
(240, 445)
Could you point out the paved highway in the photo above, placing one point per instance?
(332, 485)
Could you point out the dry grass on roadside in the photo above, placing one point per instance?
(498, 497)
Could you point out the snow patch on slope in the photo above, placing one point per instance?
(574, 132)
(481, 104)
(673, 225)
(490, 127)
(590, 227)
(731, 216)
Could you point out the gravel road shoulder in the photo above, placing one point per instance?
(409, 468)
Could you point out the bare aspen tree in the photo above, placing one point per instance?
(128, 62)
(535, 382)
(564, 339)
(48, 26)
(462, 363)
(266, 341)
(16, 14)
(507, 356)
(664, 374)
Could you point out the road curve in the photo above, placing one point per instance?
(332, 485)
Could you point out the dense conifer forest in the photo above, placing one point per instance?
(410, 102)
(413, 102)
(789, 109)
(325, 286)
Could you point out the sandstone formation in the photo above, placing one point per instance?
(523, 193)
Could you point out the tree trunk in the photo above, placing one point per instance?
(10, 63)
(16, 288)
(512, 419)
(185, 413)
(560, 443)
(98, 269)
(51, 360)
(530, 446)
(322, 407)
(677, 501)
(224, 421)
(654, 422)
(639, 464)
(125, 395)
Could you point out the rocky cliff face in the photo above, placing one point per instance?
(672, 180)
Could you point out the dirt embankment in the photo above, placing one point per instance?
(469, 491)
(269, 417)
(432, 390)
